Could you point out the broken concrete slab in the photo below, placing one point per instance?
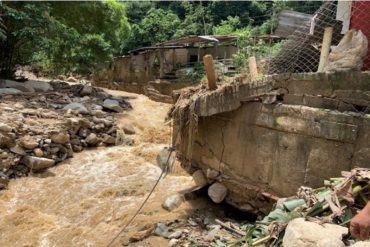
(300, 232)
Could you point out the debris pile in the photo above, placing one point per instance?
(334, 203)
(41, 127)
(314, 217)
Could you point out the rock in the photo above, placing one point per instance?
(71, 79)
(307, 234)
(6, 141)
(144, 233)
(28, 142)
(80, 108)
(37, 163)
(128, 129)
(9, 91)
(163, 157)
(107, 139)
(361, 244)
(83, 132)
(47, 141)
(173, 243)
(112, 105)
(172, 202)
(162, 230)
(97, 107)
(18, 85)
(39, 86)
(176, 234)
(86, 90)
(92, 139)
(4, 180)
(199, 178)
(330, 242)
(217, 192)
(4, 155)
(38, 152)
(18, 150)
(212, 233)
(212, 174)
(60, 138)
(5, 128)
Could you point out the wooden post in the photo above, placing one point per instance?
(210, 71)
(253, 68)
(325, 49)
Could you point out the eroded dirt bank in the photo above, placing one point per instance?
(85, 200)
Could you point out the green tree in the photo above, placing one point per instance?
(157, 26)
(57, 37)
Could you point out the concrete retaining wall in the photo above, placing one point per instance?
(279, 134)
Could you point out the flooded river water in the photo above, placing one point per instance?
(85, 200)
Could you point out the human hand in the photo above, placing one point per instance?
(360, 225)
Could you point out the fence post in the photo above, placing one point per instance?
(253, 68)
(325, 48)
(210, 71)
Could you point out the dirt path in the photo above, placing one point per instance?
(85, 200)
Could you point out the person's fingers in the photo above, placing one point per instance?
(364, 233)
(354, 229)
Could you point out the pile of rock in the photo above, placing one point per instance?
(38, 130)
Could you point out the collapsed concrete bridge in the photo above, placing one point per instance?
(265, 139)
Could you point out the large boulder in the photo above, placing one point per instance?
(37, 163)
(300, 232)
(39, 86)
(113, 105)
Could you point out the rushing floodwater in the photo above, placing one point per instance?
(84, 201)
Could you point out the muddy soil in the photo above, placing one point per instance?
(85, 200)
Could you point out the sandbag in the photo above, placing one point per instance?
(349, 53)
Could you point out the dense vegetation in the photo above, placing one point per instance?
(79, 37)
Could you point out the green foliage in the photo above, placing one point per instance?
(78, 37)
(55, 37)
(157, 26)
(228, 26)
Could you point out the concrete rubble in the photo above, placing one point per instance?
(44, 123)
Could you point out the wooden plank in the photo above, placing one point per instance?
(325, 49)
(253, 68)
(210, 71)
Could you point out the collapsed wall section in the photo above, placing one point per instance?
(268, 138)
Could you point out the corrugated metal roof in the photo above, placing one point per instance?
(188, 40)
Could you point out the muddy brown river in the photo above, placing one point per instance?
(86, 200)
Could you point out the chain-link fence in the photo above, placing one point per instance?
(300, 51)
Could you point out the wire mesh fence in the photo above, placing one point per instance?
(300, 51)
